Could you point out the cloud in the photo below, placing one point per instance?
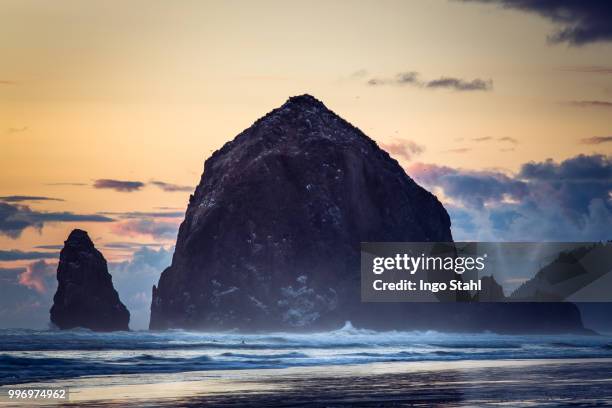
(508, 139)
(471, 188)
(548, 200)
(17, 255)
(459, 150)
(405, 149)
(591, 69)
(13, 130)
(129, 245)
(130, 186)
(460, 84)
(119, 185)
(139, 214)
(39, 276)
(20, 198)
(500, 139)
(134, 279)
(169, 187)
(26, 306)
(582, 168)
(146, 227)
(10, 275)
(66, 184)
(590, 104)
(579, 22)
(15, 218)
(58, 247)
(360, 73)
(595, 140)
(412, 78)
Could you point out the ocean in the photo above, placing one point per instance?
(33, 356)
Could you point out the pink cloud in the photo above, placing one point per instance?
(146, 227)
(38, 275)
(405, 149)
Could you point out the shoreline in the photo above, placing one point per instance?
(362, 381)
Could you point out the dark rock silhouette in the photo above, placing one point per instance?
(491, 290)
(271, 236)
(85, 294)
(569, 274)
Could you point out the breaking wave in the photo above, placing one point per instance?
(30, 355)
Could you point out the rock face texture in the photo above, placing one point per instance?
(491, 290)
(271, 236)
(85, 294)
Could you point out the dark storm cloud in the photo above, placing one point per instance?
(16, 255)
(21, 198)
(473, 188)
(405, 149)
(580, 168)
(57, 247)
(579, 22)
(412, 78)
(460, 84)
(10, 275)
(548, 200)
(595, 140)
(15, 218)
(591, 104)
(119, 185)
(169, 187)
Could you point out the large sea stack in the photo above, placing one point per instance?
(85, 294)
(271, 236)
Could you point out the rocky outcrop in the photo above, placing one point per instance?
(491, 291)
(271, 236)
(580, 274)
(85, 294)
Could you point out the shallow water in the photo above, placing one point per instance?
(29, 355)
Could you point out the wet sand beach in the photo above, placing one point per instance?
(562, 382)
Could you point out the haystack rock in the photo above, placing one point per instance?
(85, 294)
(272, 234)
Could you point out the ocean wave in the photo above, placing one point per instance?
(29, 355)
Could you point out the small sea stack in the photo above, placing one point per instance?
(85, 294)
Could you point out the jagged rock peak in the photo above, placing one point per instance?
(304, 100)
(79, 238)
(85, 294)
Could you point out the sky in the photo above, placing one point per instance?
(108, 110)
